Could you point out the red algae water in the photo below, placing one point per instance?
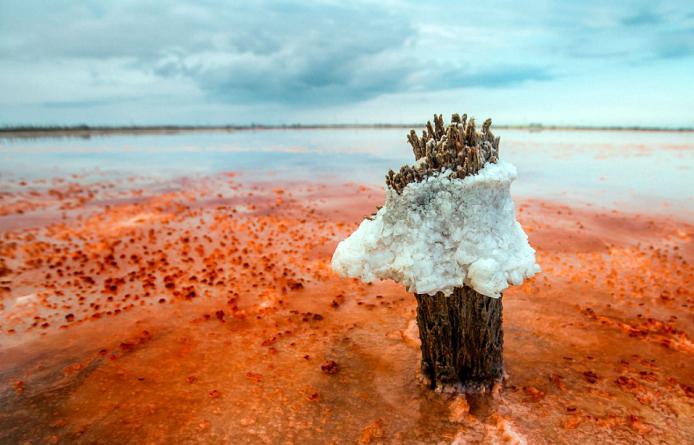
(166, 296)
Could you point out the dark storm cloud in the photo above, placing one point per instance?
(328, 52)
(298, 53)
(331, 53)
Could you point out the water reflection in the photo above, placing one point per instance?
(626, 170)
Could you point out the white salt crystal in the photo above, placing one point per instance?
(442, 233)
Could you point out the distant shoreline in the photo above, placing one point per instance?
(86, 131)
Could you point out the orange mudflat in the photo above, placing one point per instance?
(206, 312)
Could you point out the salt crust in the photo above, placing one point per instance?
(442, 233)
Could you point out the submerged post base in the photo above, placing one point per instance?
(462, 340)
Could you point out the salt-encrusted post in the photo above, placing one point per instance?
(462, 340)
(448, 232)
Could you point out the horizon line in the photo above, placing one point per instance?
(83, 130)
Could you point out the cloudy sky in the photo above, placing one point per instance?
(213, 62)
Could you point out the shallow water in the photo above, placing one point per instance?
(177, 289)
(621, 169)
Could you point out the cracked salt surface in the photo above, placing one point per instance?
(444, 233)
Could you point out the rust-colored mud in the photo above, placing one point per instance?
(205, 311)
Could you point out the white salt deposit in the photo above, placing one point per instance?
(443, 233)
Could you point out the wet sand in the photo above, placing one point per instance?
(204, 310)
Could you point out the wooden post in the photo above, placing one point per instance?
(462, 340)
(462, 334)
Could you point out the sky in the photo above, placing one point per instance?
(140, 62)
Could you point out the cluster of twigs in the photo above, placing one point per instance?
(459, 148)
